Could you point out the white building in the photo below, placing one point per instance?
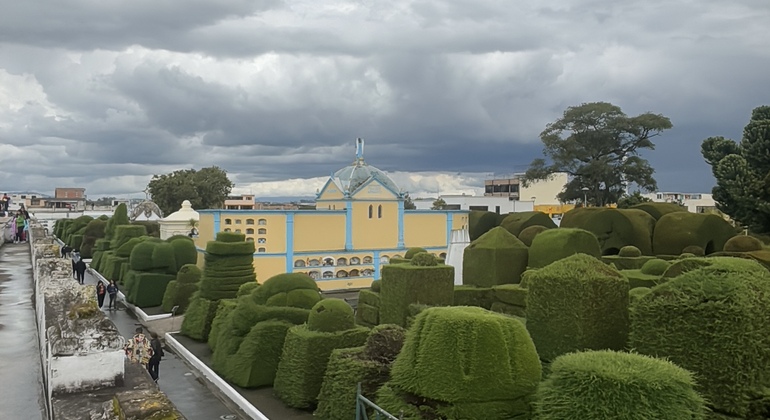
(695, 202)
(499, 205)
(180, 222)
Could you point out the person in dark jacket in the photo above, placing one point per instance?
(101, 291)
(112, 291)
(153, 366)
(80, 272)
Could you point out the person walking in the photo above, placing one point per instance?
(80, 275)
(25, 230)
(19, 227)
(153, 366)
(101, 291)
(112, 290)
(5, 201)
(75, 258)
(138, 349)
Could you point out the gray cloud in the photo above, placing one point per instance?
(106, 95)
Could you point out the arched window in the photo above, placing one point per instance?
(315, 275)
(368, 259)
(261, 241)
(367, 272)
(328, 274)
(342, 261)
(371, 210)
(355, 261)
(262, 231)
(237, 231)
(299, 263)
(314, 263)
(261, 250)
(249, 221)
(262, 222)
(249, 239)
(228, 221)
(250, 231)
(237, 221)
(342, 274)
(354, 273)
(228, 230)
(379, 211)
(384, 259)
(442, 255)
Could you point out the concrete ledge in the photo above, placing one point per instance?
(214, 379)
(142, 315)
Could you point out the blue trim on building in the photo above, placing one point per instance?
(376, 261)
(289, 242)
(449, 223)
(348, 225)
(249, 212)
(400, 224)
(361, 251)
(216, 224)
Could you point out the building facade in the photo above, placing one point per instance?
(695, 202)
(359, 224)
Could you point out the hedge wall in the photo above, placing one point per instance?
(577, 303)
(676, 231)
(147, 289)
(497, 257)
(610, 385)
(256, 361)
(125, 249)
(483, 297)
(331, 315)
(713, 321)
(184, 251)
(346, 369)
(626, 263)
(480, 222)
(179, 291)
(367, 315)
(228, 265)
(555, 244)
(225, 307)
(616, 228)
(527, 235)
(304, 359)
(125, 232)
(141, 256)
(198, 317)
(489, 360)
(404, 284)
(517, 222)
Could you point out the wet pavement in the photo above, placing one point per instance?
(21, 374)
(178, 381)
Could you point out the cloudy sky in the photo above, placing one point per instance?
(105, 94)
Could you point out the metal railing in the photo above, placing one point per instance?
(363, 405)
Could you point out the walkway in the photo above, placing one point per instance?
(22, 396)
(177, 380)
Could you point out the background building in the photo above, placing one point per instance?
(358, 225)
(695, 202)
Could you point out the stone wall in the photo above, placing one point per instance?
(80, 348)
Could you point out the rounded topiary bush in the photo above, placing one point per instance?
(189, 273)
(527, 235)
(637, 293)
(376, 285)
(655, 267)
(712, 321)
(695, 250)
(384, 343)
(614, 385)
(330, 315)
(743, 243)
(555, 244)
(247, 288)
(230, 237)
(424, 259)
(411, 252)
(629, 251)
(284, 283)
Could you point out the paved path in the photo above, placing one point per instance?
(22, 394)
(177, 380)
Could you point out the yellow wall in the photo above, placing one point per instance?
(459, 221)
(318, 231)
(331, 192)
(330, 205)
(375, 233)
(275, 226)
(425, 230)
(267, 267)
(205, 230)
(374, 191)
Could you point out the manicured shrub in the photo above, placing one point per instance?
(148, 289)
(124, 233)
(611, 385)
(304, 359)
(712, 321)
(284, 283)
(228, 265)
(230, 237)
(179, 291)
(511, 294)
(480, 222)
(681, 266)
(256, 361)
(743, 243)
(367, 315)
(658, 210)
(198, 318)
(555, 244)
(224, 308)
(693, 250)
(184, 251)
(626, 263)
(636, 279)
(76, 241)
(411, 252)
(497, 257)
(404, 284)
(577, 303)
(513, 310)
(226, 249)
(163, 258)
(150, 226)
(247, 288)
(515, 223)
(472, 296)
(655, 267)
(629, 251)
(676, 231)
(384, 343)
(637, 293)
(125, 249)
(346, 369)
(527, 235)
(423, 259)
(488, 359)
(119, 218)
(141, 256)
(111, 267)
(330, 315)
(615, 228)
(376, 285)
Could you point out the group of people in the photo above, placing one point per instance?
(110, 290)
(22, 226)
(147, 352)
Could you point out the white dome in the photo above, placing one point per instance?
(184, 214)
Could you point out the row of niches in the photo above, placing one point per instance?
(342, 261)
(249, 231)
(340, 274)
(261, 222)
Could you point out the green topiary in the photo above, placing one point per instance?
(141, 256)
(256, 361)
(577, 303)
(411, 252)
(515, 223)
(331, 315)
(384, 343)
(148, 289)
(198, 318)
(444, 346)
(658, 210)
(124, 233)
(284, 283)
(345, 371)
(637, 293)
(163, 259)
(743, 243)
(376, 286)
(247, 288)
(712, 321)
(629, 251)
(227, 265)
(676, 231)
(527, 235)
(424, 259)
(184, 251)
(472, 296)
(613, 385)
(125, 249)
(230, 237)
(480, 222)
(119, 218)
(180, 291)
(655, 267)
(615, 228)
(511, 294)
(555, 244)
(693, 250)
(404, 284)
(497, 257)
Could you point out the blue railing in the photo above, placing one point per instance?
(364, 405)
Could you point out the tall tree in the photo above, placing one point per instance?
(598, 145)
(408, 203)
(439, 204)
(206, 189)
(742, 172)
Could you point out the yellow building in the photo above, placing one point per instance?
(359, 224)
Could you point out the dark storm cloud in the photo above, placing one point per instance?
(111, 93)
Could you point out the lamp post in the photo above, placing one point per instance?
(585, 196)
